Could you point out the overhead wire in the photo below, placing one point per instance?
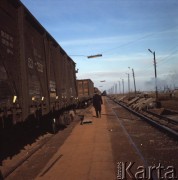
(162, 60)
(149, 66)
(168, 56)
(141, 38)
(136, 40)
(128, 43)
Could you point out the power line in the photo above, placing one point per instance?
(167, 57)
(141, 38)
(126, 44)
(159, 61)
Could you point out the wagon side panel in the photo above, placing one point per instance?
(10, 91)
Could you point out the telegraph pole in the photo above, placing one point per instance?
(119, 88)
(154, 58)
(116, 88)
(134, 81)
(155, 76)
(128, 83)
(123, 85)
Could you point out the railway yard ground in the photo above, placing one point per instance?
(116, 146)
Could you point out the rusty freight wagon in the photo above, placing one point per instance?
(85, 89)
(37, 77)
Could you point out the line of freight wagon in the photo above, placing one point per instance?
(38, 86)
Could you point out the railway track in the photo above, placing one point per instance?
(153, 146)
(168, 125)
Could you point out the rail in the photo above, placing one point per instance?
(170, 131)
(163, 117)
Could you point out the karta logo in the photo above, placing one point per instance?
(125, 171)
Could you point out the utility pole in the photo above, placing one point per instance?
(123, 85)
(116, 88)
(119, 88)
(154, 58)
(155, 76)
(128, 83)
(134, 81)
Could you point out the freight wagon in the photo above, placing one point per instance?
(37, 77)
(85, 88)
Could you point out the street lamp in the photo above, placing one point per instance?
(128, 83)
(123, 85)
(92, 56)
(116, 88)
(154, 58)
(134, 80)
(119, 87)
(113, 89)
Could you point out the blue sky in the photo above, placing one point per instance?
(122, 31)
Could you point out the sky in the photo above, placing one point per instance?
(122, 31)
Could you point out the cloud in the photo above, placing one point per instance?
(113, 77)
(99, 74)
(116, 42)
(105, 40)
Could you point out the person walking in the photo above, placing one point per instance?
(97, 101)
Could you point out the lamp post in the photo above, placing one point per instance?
(116, 88)
(128, 83)
(123, 85)
(119, 87)
(94, 56)
(91, 56)
(154, 58)
(134, 80)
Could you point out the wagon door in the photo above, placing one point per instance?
(36, 67)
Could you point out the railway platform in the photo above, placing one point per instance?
(97, 149)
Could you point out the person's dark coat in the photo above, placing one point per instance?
(97, 101)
